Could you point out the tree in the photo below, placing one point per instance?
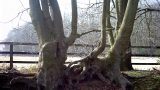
(24, 34)
(146, 30)
(47, 20)
(49, 27)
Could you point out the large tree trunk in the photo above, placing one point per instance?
(122, 43)
(49, 29)
(110, 65)
(126, 63)
(52, 59)
(126, 57)
(47, 20)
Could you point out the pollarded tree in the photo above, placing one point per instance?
(47, 20)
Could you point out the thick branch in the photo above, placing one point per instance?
(113, 3)
(125, 31)
(47, 16)
(57, 18)
(73, 34)
(45, 8)
(46, 12)
(111, 37)
(35, 12)
(120, 9)
(105, 14)
(37, 19)
(121, 44)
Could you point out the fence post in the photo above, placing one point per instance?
(11, 55)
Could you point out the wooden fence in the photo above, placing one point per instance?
(11, 52)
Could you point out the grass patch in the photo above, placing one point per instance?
(30, 69)
(145, 80)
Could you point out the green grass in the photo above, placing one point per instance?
(150, 82)
(31, 69)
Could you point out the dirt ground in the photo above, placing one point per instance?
(141, 80)
(14, 80)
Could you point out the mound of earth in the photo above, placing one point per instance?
(14, 80)
(141, 80)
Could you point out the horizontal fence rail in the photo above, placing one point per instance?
(11, 52)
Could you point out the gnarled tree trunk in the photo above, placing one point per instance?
(110, 65)
(126, 58)
(47, 20)
(122, 42)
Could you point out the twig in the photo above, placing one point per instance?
(16, 16)
(95, 30)
(145, 10)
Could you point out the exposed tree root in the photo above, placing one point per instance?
(156, 71)
(89, 69)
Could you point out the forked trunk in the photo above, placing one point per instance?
(47, 20)
(121, 44)
(126, 58)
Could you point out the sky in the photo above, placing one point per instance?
(9, 9)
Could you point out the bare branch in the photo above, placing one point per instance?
(113, 3)
(45, 9)
(35, 12)
(148, 9)
(145, 10)
(47, 16)
(73, 34)
(88, 32)
(94, 30)
(105, 15)
(57, 19)
(123, 39)
(94, 4)
(109, 26)
(158, 2)
(120, 9)
(19, 14)
(56, 14)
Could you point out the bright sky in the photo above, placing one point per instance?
(10, 9)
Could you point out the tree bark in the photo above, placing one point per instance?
(51, 41)
(126, 63)
(47, 21)
(110, 65)
(122, 43)
(51, 63)
(54, 44)
(126, 58)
